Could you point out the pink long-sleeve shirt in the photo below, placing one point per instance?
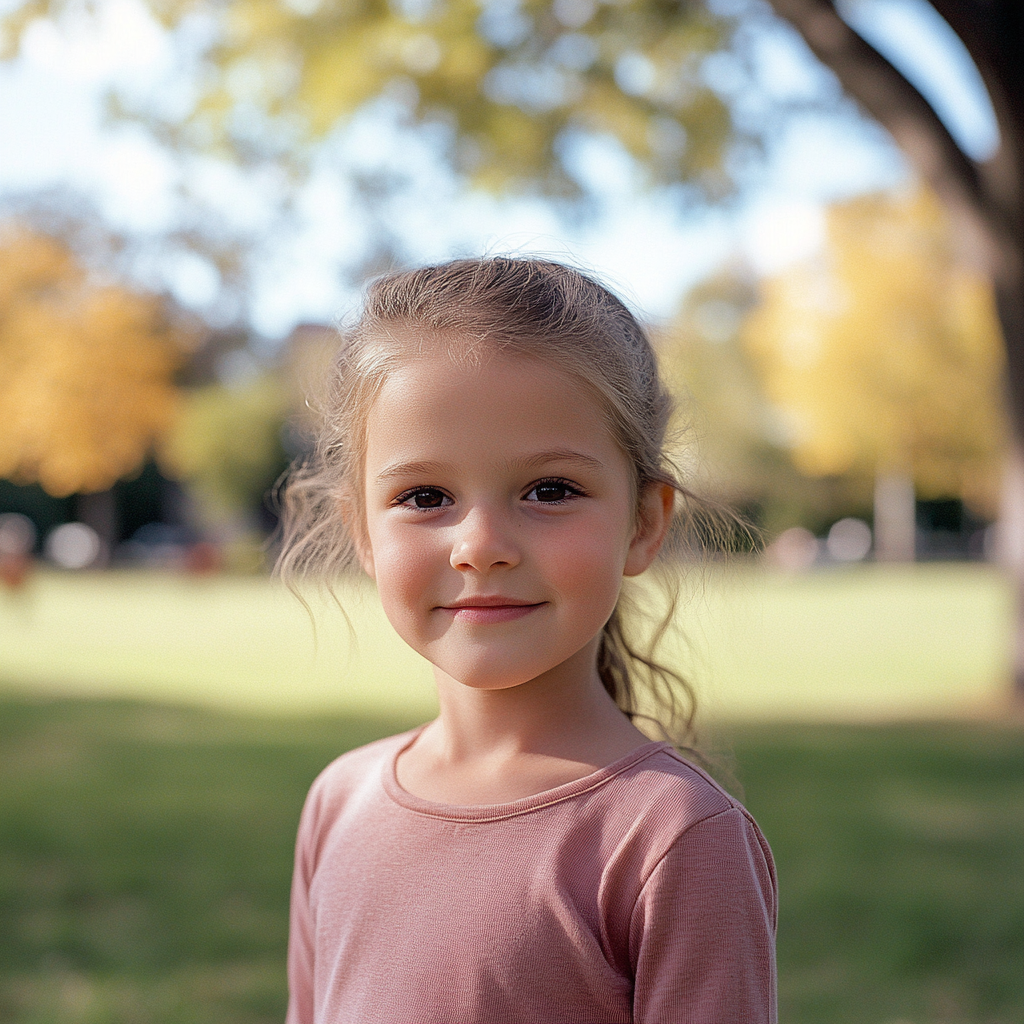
(642, 892)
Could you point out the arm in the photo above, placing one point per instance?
(300, 927)
(702, 934)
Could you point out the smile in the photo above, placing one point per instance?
(488, 610)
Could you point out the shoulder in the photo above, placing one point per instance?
(670, 808)
(354, 763)
(702, 926)
(699, 840)
(671, 791)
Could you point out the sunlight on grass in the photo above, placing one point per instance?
(865, 642)
(868, 642)
(235, 642)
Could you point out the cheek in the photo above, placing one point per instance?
(404, 574)
(588, 564)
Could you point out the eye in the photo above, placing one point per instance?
(552, 492)
(423, 497)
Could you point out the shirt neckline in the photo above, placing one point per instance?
(494, 812)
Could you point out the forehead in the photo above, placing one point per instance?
(490, 404)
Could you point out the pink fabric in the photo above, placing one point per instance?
(642, 892)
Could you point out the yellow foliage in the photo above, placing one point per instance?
(32, 264)
(465, 62)
(226, 445)
(85, 372)
(610, 111)
(884, 353)
(258, 18)
(341, 73)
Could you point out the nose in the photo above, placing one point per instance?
(484, 540)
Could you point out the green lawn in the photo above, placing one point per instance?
(862, 643)
(158, 734)
(145, 854)
(900, 852)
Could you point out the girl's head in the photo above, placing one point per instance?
(425, 339)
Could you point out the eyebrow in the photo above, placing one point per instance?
(412, 469)
(427, 469)
(560, 455)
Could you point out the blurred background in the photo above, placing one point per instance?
(817, 207)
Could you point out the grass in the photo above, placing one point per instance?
(147, 816)
(900, 851)
(866, 642)
(145, 855)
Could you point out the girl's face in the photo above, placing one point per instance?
(500, 515)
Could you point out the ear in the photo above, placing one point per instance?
(653, 519)
(356, 526)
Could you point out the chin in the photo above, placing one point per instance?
(491, 676)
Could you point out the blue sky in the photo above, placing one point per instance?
(53, 133)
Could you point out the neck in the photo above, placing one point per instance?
(493, 746)
(565, 713)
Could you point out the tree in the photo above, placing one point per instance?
(513, 83)
(985, 199)
(226, 446)
(724, 421)
(86, 369)
(886, 358)
(517, 82)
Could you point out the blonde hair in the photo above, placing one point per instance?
(529, 307)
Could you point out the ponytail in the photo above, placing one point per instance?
(621, 666)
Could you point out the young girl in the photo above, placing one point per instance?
(492, 456)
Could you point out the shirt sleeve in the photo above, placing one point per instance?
(702, 933)
(300, 925)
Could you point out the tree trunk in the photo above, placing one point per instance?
(99, 511)
(1009, 284)
(895, 523)
(1010, 550)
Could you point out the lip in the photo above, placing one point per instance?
(490, 608)
(489, 601)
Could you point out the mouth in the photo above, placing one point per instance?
(490, 609)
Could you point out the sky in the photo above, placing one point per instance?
(54, 133)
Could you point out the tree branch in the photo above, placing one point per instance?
(985, 199)
(993, 32)
(892, 101)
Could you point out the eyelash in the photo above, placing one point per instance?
(556, 481)
(408, 495)
(573, 490)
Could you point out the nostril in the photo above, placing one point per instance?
(484, 542)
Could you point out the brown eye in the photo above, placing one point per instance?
(427, 498)
(552, 492)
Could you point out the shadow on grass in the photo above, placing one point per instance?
(145, 859)
(900, 852)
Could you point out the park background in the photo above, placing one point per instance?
(191, 197)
